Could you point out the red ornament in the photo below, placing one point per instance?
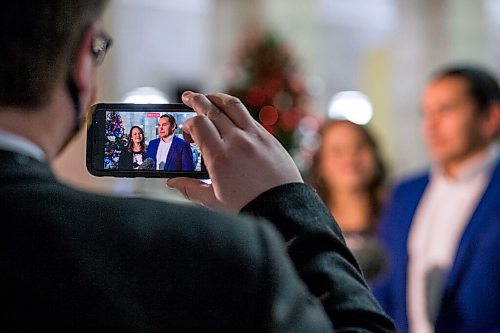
(289, 120)
(256, 96)
(268, 115)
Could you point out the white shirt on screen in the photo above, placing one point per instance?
(161, 154)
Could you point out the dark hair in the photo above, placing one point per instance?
(483, 86)
(376, 185)
(130, 144)
(171, 118)
(39, 39)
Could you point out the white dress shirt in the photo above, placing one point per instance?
(18, 144)
(440, 220)
(161, 154)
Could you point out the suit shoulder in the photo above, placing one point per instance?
(156, 214)
(144, 220)
(154, 141)
(495, 177)
(178, 140)
(415, 181)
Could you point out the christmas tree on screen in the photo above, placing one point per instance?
(115, 136)
(268, 82)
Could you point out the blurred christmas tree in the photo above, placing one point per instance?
(268, 82)
(115, 137)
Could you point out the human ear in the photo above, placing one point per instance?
(491, 123)
(83, 67)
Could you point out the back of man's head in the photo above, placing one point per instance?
(483, 86)
(39, 39)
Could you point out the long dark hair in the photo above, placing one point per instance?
(376, 185)
(130, 144)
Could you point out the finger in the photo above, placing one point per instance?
(187, 137)
(185, 97)
(204, 133)
(195, 190)
(201, 104)
(234, 109)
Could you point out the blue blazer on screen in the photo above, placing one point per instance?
(471, 296)
(179, 157)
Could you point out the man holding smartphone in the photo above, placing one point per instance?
(76, 261)
(169, 152)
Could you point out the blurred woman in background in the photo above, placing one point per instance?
(133, 154)
(349, 175)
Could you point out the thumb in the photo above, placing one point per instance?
(195, 190)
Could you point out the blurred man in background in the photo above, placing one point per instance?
(442, 228)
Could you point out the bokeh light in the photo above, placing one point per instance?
(289, 120)
(268, 115)
(145, 95)
(283, 101)
(309, 124)
(256, 96)
(351, 105)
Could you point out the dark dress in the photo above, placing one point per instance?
(126, 161)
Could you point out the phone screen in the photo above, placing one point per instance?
(142, 140)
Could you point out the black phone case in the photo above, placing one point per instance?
(96, 139)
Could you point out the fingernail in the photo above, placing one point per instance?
(186, 94)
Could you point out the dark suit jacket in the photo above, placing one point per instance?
(179, 157)
(75, 261)
(471, 299)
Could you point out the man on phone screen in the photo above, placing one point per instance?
(169, 151)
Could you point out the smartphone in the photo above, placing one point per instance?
(142, 140)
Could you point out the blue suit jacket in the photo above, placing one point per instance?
(471, 299)
(179, 157)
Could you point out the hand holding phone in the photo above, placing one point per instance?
(242, 158)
